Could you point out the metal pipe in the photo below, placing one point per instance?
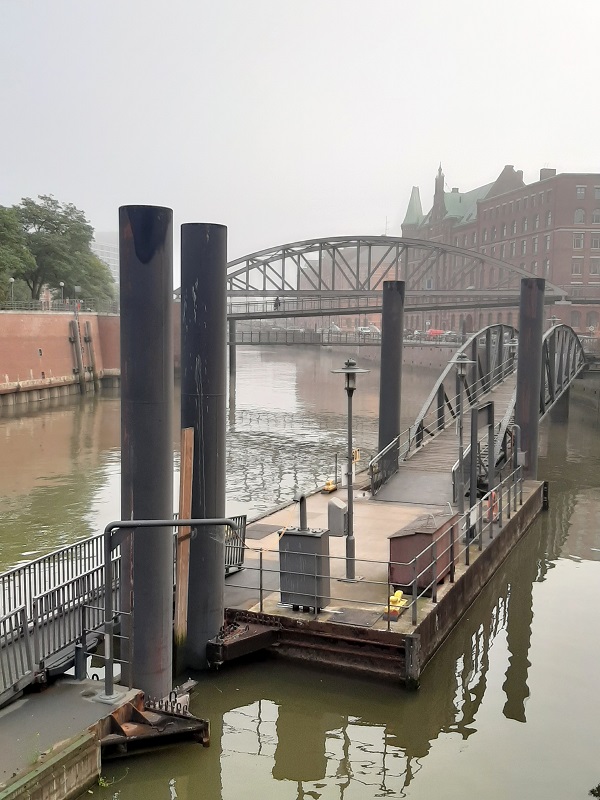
(303, 514)
(203, 407)
(350, 540)
(529, 369)
(109, 544)
(390, 387)
(146, 287)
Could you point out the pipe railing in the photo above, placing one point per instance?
(483, 521)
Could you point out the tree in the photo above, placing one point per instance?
(14, 255)
(59, 238)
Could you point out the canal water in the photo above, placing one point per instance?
(509, 707)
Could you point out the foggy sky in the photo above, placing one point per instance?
(285, 119)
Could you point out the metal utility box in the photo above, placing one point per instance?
(417, 537)
(337, 517)
(304, 568)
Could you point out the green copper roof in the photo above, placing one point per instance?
(414, 212)
(463, 206)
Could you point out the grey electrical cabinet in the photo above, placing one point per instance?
(304, 568)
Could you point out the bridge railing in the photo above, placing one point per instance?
(63, 306)
(492, 361)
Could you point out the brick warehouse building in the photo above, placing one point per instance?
(550, 228)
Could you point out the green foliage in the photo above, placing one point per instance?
(595, 792)
(14, 255)
(58, 238)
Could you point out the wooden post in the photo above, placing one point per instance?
(183, 536)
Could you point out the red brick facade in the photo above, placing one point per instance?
(550, 228)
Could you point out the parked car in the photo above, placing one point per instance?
(364, 331)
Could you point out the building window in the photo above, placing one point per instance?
(534, 244)
(534, 267)
(522, 266)
(504, 228)
(502, 251)
(523, 246)
(547, 242)
(578, 241)
(575, 319)
(549, 195)
(465, 240)
(510, 207)
(503, 209)
(576, 266)
(541, 198)
(484, 239)
(429, 283)
(513, 249)
(596, 217)
(595, 266)
(579, 218)
(536, 222)
(595, 242)
(546, 267)
(518, 204)
(524, 225)
(474, 238)
(456, 241)
(532, 200)
(513, 227)
(580, 192)
(548, 219)
(597, 192)
(493, 251)
(493, 233)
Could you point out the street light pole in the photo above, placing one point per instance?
(62, 291)
(12, 290)
(350, 372)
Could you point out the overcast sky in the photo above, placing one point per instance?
(289, 119)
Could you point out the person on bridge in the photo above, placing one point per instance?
(276, 304)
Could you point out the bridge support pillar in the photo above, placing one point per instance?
(146, 285)
(560, 410)
(390, 382)
(203, 408)
(529, 369)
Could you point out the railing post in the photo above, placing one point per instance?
(500, 504)
(509, 498)
(434, 568)
(480, 523)
(520, 485)
(260, 580)
(515, 490)
(467, 519)
(414, 593)
(390, 593)
(452, 553)
(316, 573)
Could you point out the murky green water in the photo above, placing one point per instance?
(509, 708)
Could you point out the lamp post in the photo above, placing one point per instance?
(62, 291)
(462, 363)
(12, 290)
(350, 370)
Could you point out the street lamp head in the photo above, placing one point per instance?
(350, 370)
(61, 284)
(462, 361)
(11, 280)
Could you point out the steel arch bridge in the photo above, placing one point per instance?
(347, 264)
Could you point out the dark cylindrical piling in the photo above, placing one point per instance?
(146, 284)
(390, 390)
(203, 407)
(529, 369)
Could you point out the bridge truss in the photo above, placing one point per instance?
(349, 264)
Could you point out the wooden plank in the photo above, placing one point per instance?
(182, 566)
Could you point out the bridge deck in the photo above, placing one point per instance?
(426, 476)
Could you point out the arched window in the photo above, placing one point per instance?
(509, 318)
(591, 320)
(499, 319)
(548, 219)
(579, 216)
(575, 319)
(489, 322)
(525, 224)
(596, 217)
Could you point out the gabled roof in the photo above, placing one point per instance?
(463, 205)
